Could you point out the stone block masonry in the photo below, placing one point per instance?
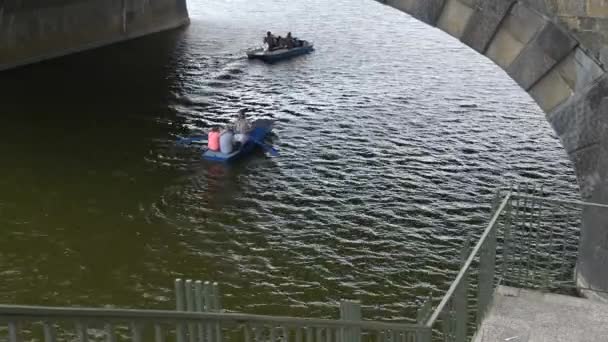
(557, 51)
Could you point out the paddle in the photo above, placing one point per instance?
(273, 152)
(187, 141)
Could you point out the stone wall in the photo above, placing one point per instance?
(34, 30)
(586, 19)
(557, 51)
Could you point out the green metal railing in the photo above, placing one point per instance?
(531, 241)
(199, 318)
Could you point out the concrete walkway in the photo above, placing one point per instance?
(519, 315)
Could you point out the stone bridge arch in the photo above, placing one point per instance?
(555, 50)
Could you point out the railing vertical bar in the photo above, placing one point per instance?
(273, 334)
(539, 225)
(518, 232)
(198, 299)
(487, 264)
(246, 333)
(180, 306)
(551, 228)
(574, 226)
(217, 308)
(506, 253)
(447, 322)
(298, 334)
(49, 332)
(319, 332)
(528, 204)
(379, 337)
(460, 297)
(158, 333)
(110, 336)
(14, 334)
(309, 334)
(81, 332)
(208, 307)
(564, 251)
(258, 333)
(535, 257)
(285, 334)
(136, 332)
(190, 305)
(532, 239)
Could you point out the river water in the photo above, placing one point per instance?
(392, 138)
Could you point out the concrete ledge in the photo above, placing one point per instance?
(521, 315)
(592, 295)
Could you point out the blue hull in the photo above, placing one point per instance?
(261, 128)
(279, 55)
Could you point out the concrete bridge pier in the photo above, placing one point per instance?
(34, 30)
(557, 51)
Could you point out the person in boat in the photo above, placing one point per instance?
(290, 41)
(270, 40)
(213, 139)
(242, 127)
(280, 43)
(226, 140)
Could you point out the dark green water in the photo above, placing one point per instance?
(390, 153)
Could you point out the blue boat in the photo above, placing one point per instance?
(260, 129)
(280, 54)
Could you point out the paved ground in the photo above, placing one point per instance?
(529, 316)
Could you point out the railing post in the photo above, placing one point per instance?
(507, 236)
(14, 335)
(208, 307)
(350, 311)
(49, 332)
(200, 307)
(110, 336)
(189, 289)
(487, 264)
(460, 299)
(422, 317)
(180, 306)
(447, 321)
(216, 307)
(425, 310)
(425, 335)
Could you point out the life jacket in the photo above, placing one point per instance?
(213, 141)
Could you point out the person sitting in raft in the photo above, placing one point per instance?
(280, 43)
(242, 127)
(289, 41)
(226, 140)
(270, 40)
(213, 139)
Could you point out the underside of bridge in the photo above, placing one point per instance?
(555, 50)
(34, 30)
